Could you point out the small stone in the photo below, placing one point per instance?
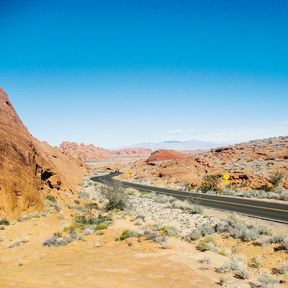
(97, 245)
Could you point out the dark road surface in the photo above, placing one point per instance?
(256, 208)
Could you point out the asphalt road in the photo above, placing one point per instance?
(261, 209)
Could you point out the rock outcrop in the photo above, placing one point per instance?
(29, 168)
(91, 152)
(251, 165)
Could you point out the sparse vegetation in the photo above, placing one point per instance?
(255, 263)
(55, 241)
(267, 281)
(200, 231)
(209, 183)
(208, 243)
(282, 269)
(155, 237)
(129, 234)
(100, 226)
(276, 179)
(235, 265)
(187, 207)
(238, 229)
(4, 222)
(51, 198)
(222, 281)
(116, 197)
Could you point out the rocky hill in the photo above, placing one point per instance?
(29, 168)
(252, 165)
(91, 152)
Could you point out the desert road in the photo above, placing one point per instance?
(274, 211)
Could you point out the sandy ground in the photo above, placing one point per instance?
(100, 261)
(83, 263)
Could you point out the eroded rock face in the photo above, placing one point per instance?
(84, 152)
(91, 152)
(27, 168)
(19, 181)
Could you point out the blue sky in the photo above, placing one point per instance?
(116, 73)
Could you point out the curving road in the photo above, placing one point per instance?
(274, 211)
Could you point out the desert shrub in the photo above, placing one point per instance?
(278, 239)
(57, 234)
(199, 232)
(116, 197)
(285, 245)
(235, 265)
(276, 179)
(70, 229)
(51, 198)
(226, 251)
(4, 222)
(89, 211)
(208, 243)
(282, 269)
(238, 229)
(100, 226)
(187, 207)
(22, 240)
(267, 281)
(55, 241)
(209, 182)
(132, 191)
(86, 220)
(167, 230)
(205, 261)
(222, 281)
(255, 263)
(163, 199)
(128, 234)
(84, 195)
(155, 237)
(283, 195)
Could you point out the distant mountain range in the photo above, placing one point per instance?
(181, 145)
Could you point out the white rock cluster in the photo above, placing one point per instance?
(154, 212)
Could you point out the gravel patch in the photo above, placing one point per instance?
(158, 213)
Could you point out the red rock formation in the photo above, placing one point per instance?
(84, 152)
(250, 165)
(165, 155)
(93, 153)
(29, 168)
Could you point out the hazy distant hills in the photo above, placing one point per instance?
(180, 145)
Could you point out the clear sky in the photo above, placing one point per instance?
(119, 72)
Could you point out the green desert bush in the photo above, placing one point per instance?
(4, 222)
(101, 226)
(51, 198)
(255, 263)
(128, 234)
